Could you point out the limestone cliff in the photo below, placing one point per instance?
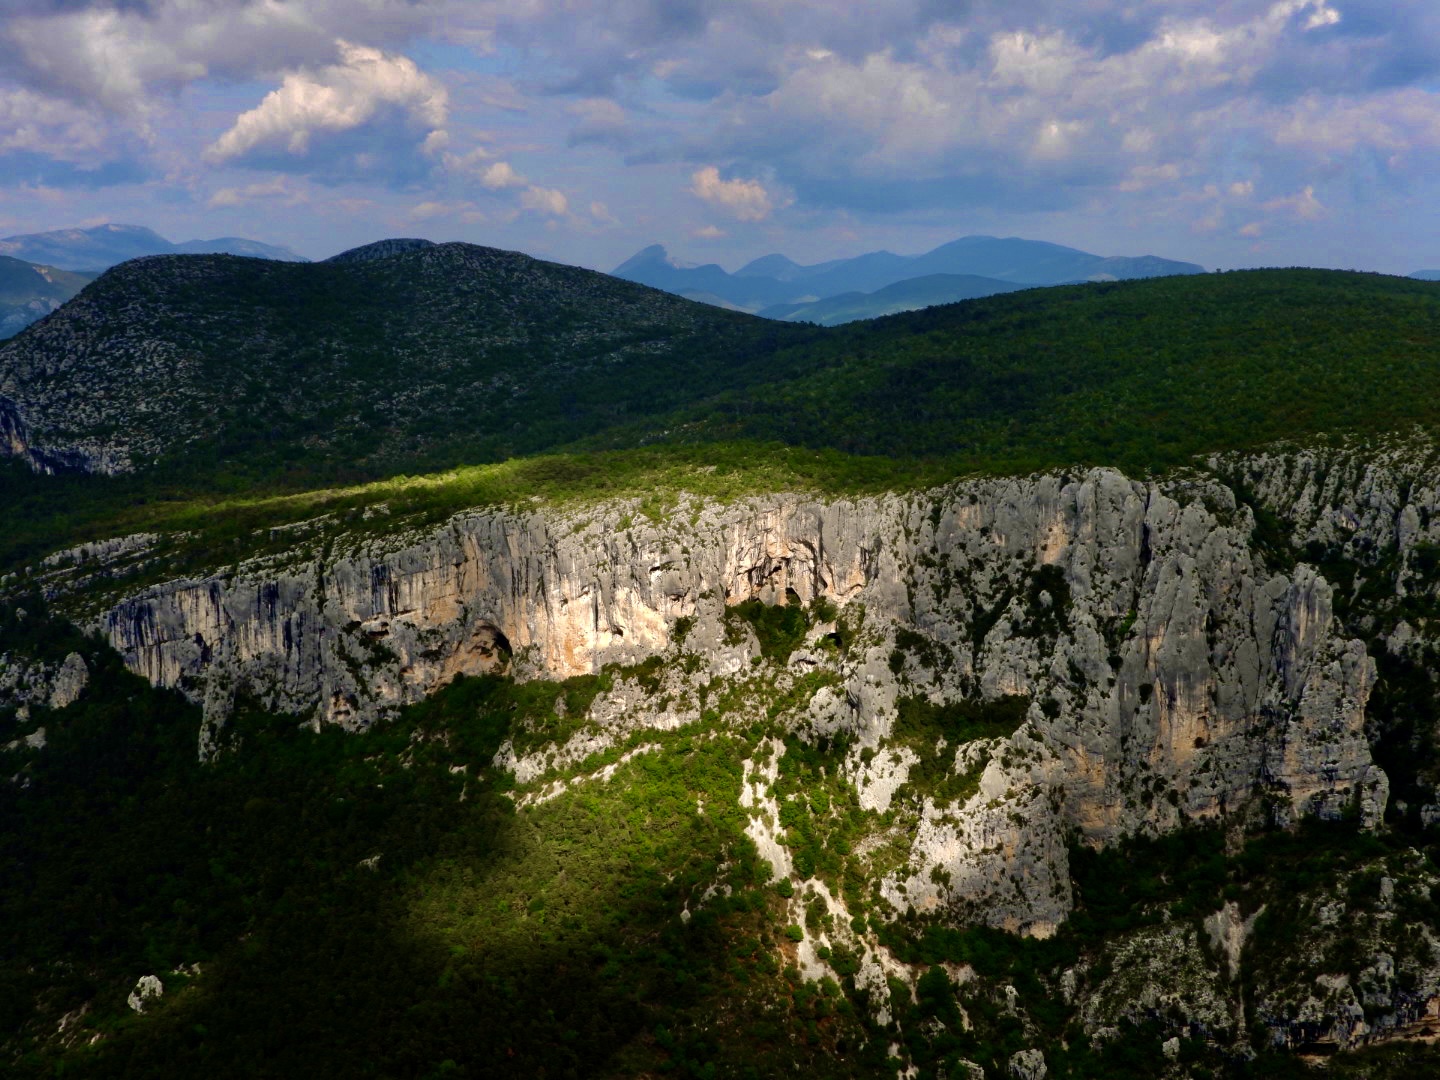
(1171, 676)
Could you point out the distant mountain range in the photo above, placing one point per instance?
(103, 246)
(29, 292)
(1426, 275)
(777, 286)
(909, 295)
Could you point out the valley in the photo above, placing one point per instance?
(436, 661)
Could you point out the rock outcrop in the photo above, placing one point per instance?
(25, 682)
(1171, 676)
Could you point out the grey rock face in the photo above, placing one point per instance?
(1172, 677)
(148, 988)
(25, 682)
(1372, 515)
(69, 681)
(1028, 1065)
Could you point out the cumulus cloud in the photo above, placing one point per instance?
(745, 200)
(102, 56)
(463, 211)
(499, 175)
(278, 188)
(481, 166)
(546, 201)
(30, 121)
(849, 110)
(116, 55)
(365, 85)
(49, 142)
(1302, 205)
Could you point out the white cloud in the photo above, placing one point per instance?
(1223, 204)
(1147, 176)
(463, 211)
(746, 200)
(480, 165)
(278, 188)
(471, 163)
(336, 98)
(708, 232)
(101, 55)
(1321, 13)
(500, 175)
(116, 55)
(37, 123)
(1400, 120)
(545, 201)
(1038, 63)
(1303, 204)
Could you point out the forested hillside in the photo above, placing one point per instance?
(436, 662)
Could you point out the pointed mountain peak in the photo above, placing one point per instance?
(646, 256)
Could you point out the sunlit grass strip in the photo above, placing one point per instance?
(718, 473)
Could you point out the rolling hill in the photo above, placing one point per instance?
(1143, 374)
(808, 701)
(422, 356)
(419, 356)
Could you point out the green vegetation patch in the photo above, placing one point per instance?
(1142, 375)
(820, 813)
(935, 731)
(779, 628)
(205, 526)
(1150, 883)
(373, 905)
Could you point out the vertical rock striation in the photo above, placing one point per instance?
(1171, 676)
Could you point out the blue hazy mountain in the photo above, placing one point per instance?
(709, 282)
(103, 246)
(908, 295)
(775, 279)
(29, 292)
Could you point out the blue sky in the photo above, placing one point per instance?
(1229, 132)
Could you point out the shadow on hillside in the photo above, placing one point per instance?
(481, 943)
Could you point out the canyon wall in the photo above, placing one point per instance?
(1171, 676)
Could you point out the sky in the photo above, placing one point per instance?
(1226, 132)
